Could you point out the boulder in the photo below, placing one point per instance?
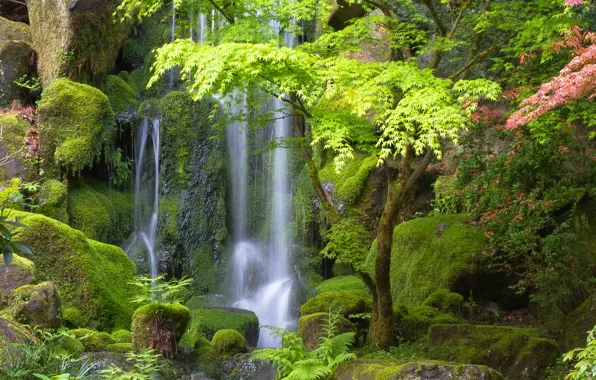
(37, 305)
(76, 39)
(14, 130)
(516, 353)
(52, 200)
(93, 341)
(92, 277)
(242, 367)
(20, 272)
(207, 321)
(120, 347)
(159, 326)
(412, 322)
(227, 343)
(67, 345)
(344, 301)
(15, 58)
(122, 336)
(363, 369)
(578, 323)
(311, 326)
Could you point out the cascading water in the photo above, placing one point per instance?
(146, 204)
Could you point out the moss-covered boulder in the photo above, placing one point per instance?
(311, 326)
(76, 125)
(15, 56)
(363, 369)
(100, 213)
(431, 253)
(342, 283)
(345, 301)
(206, 322)
(122, 336)
(412, 322)
(91, 277)
(72, 318)
(20, 272)
(120, 347)
(52, 200)
(445, 301)
(123, 99)
(516, 353)
(68, 346)
(159, 326)
(227, 343)
(75, 39)
(14, 129)
(37, 305)
(578, 323)
(93, 341)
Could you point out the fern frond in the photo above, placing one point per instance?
(309, 370)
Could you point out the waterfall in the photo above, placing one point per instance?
(261, 272)
(146, 204)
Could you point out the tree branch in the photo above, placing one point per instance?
(220, 10)
(419, 170)
(435, 17)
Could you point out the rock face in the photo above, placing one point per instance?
(420, 370)
(310, 326)
(578, 323)
(15, 57)
(19, 273)
(206, 322)
(516, 353)
(76, 39)
(37, 305)
(159, 326)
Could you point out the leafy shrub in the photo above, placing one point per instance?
(584, 359)
(158, 291)
(144, 367)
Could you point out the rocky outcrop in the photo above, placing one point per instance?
(37, 305)
(20, 272)
(76, 39)
(15, 58)
(516, 353)
(419, 369)
(311, 326)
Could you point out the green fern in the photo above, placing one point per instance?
(294, 362)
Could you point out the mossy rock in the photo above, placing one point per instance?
(159, 326)
(345, 301)
(100, 213)
(11, 187)
(227, 343)
(342, 283)
(15, 55)
(431, 253)
(122, 97)
(37, 305)
(91, 277)
(350, 181)
(53, 199)
(120, 347)
(206, 322)
(20, 272)
(311, 326)
(516, 353)
(445, 301)
(14, 129)
(122, 336)
(67, 345)
(73, 318)
(363, 369)
(412, 322)
(578, 323)
(76, 125)
(92, 340)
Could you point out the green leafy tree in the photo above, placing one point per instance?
(583, 359)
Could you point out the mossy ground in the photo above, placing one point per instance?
(341, 283)
(431, 253)
(344, 301)
(91, 277)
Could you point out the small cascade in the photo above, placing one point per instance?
(146, 202)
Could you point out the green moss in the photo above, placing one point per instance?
(100, 213)
(72, 318)
(310, 328)
(67, 345)
(120, 347)
(12, 186)
(122, 97)
(36, 305)
(227, 343)
(91, 276)
(149, 108)
(430, 253)
(342, 283)
(172, 316)
(350, 180)
(76, 123)
(92, 340)
(53, 199)
(14, 129)
(577, 324)
(346, 301)
(517, 353)
(122, 336)
(134, 53)
(412, 322)
(445, 301)
(20, 272)
(206, 322)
